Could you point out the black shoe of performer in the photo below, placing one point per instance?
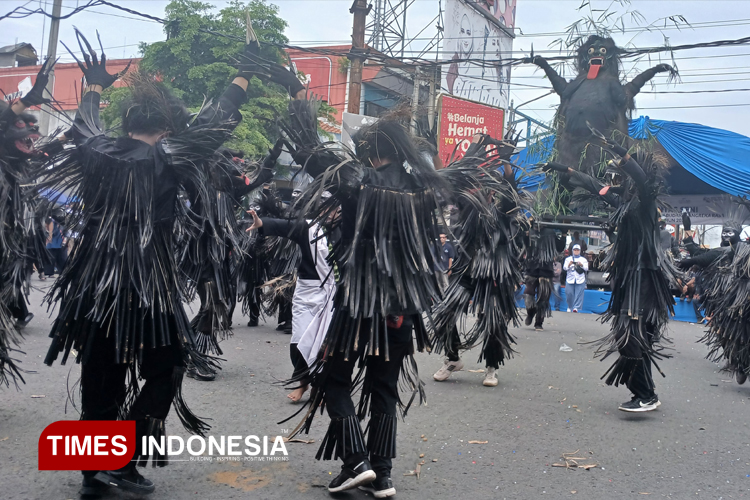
(641, 404)
(252, 322)
(382, 487)
(282, 326)
(126, 479)
(193, 372)
(25, 321)
(740, 376)
(529, 318)
(92, 488)
(351, 478)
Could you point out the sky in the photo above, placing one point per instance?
(539, 22)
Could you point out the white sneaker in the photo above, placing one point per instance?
(490, 379)
(569, 310)
(449, 367)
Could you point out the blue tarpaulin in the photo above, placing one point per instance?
(595, 302)
(718, 157)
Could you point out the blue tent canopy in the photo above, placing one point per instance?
(718, 158)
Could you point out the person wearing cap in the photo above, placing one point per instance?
(576, 266)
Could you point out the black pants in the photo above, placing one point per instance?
(381, 381)
(104, 389)
(57, 257)
(641, 383)
(285, 312)
(536, 297)
(298, 362)
(18, 308)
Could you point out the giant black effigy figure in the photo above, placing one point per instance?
(597, 96)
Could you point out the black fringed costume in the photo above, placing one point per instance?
(487, 267)
(639, 272)
(17, 231)
(542, 246)
(120, 296)
(389, 224)
(595, 96)
(725, 296)
(210, 265)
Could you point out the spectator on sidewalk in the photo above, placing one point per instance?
(576, 267)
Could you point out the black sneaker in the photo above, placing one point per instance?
(382, 487)
(351, 478)
(253, 322)
(194, 373)
(538, 328)
(740, 376)
(128, 479)
(283, 326)
(21, 323)
(92, 487)
(529, 319)
(640, 405)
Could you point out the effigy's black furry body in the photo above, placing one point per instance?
(597, 97)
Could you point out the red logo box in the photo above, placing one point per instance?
(87, 445)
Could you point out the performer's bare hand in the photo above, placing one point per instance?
(257, 221)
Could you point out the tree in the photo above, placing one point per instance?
(198, 55)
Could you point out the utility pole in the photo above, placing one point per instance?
(54, 30)
(360, 9)
(415, 101)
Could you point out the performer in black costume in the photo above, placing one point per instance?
(120, 299)
(726, 294)
(313, 293)
(639, 272)
(18, 134)
(389, 199)
(542, 247)
(211, 264)
(487, 267)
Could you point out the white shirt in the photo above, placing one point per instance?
(573, 276)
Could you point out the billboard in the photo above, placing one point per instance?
(478, 46)
(502, 10)
(460, 120)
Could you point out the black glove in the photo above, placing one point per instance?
(273, 154)
(538, 60)
(554, 166)
(35, 97)
(95, 71)
(662, 68)
(250, 62)
(287, 78)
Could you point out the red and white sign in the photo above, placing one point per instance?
(460, 119)
(87, 445)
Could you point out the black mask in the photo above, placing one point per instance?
(20, 137)
(729, 236)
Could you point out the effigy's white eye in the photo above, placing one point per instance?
(603, 50)
(591, 50)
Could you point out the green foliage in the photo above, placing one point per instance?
(197, 61)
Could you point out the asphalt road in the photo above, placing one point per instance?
(548, 403)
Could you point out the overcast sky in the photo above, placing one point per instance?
(321, 22)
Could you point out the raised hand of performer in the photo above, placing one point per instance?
(287, 78)
(257, 221)
(95, 69)
(35, 96)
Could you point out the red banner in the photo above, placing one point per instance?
(87, 445)
(460, 119)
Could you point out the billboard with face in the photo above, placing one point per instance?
(477, 47)
(502, 10)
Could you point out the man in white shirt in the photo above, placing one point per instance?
(576, 266)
